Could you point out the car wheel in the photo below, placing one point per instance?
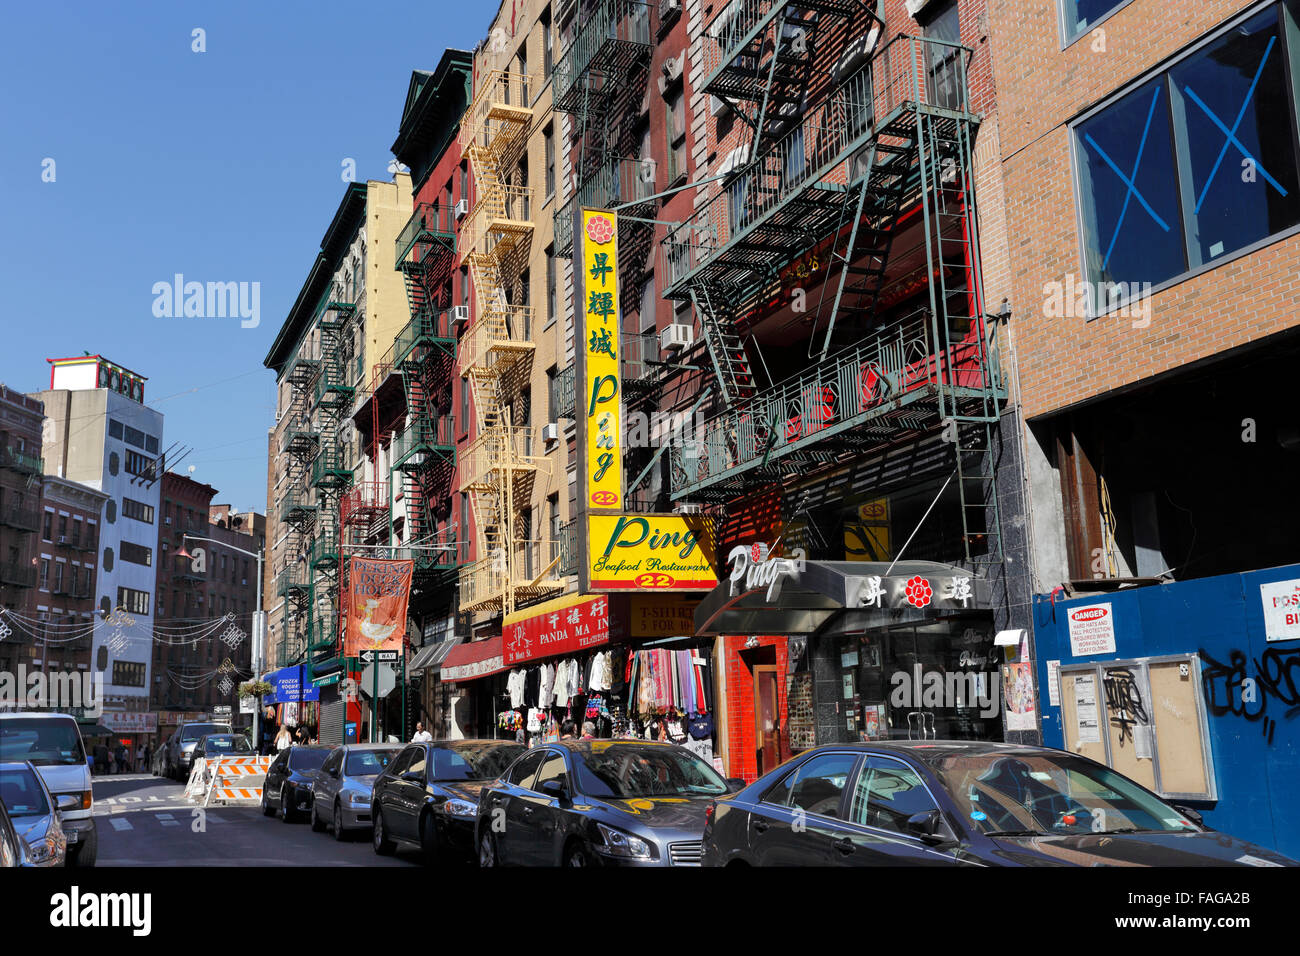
(383, 846)
(487, 850)
(285, 813)
(429, 839)
(317, 824)
(85, 853)
(267, 809)
(339, 833)
(576, 855)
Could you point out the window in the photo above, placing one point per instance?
(887, 793)
(63, 527)
(134, 437)
(135, 602)
(77, 525)
(552, 289)
(113, 463)
(675, 121)
(553, 411)
(419, 759)
(553, 769)
(1195, 164)
(49, 526)
(110, 511)
(45, 574)
(114, 428)
(943, 71)
(59, 568)
(136, 553)
(139, 465)
(548, 53)
(137, 510)
(107, 561)
(549, 138)
(816, 785)
(521, 774)
(464, 404)
(1078, 16)
(128, 673)
(553, 503)
(648, 303)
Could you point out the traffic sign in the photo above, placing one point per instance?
(387, 680)
(385, 657)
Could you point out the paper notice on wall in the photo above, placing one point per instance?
(1054, 683)
(1142, 745)
(1088, 730)
(1092, 630)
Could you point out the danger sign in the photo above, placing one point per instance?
(1092, 630)
(1281, 610)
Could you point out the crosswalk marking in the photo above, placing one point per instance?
(120, 823)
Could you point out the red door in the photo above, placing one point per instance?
(767, 718)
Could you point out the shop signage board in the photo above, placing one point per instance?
(752, 565)
(651, 552)
(1281, 601)
(666, 615)
(563, 626)
(1092, 630)
(601, 343)
(378, 593)
(133, 722)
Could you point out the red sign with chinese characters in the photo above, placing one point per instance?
(563, 626)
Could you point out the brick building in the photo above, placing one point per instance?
(20, 519)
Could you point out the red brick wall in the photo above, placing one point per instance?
(742, 759)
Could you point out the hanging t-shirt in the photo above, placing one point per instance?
(547, 692)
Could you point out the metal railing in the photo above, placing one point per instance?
(25, 519)
(495, 450)
(814, 153)
(504, 328)
(292, 578)
(424, 329)
(423, 434)
(609, 35)
(501, 215)
(899, 364)
(616, 181)
(17, 574)
(21, 461)
(640, 350)
(484, 582)
(501, 106)
(431, 225)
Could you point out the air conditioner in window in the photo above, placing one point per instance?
(63, 539)
(551, 432)
(167, 520)
(462, 209)
(677, 335)
(668, 7)
(459, 314)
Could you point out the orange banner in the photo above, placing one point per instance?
(378, 592)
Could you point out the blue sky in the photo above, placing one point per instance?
(224, 166)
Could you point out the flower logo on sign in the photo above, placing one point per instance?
(756, 551)
(600, 230)
(918, 591)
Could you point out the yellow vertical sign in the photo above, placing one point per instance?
(599, 402)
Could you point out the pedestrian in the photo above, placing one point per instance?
(588, 730)
(422, 736)
(568, 729)
(300, 738)
(267, 744)
(102, 758)
(283, 740)
(148, 757)
(140, 763)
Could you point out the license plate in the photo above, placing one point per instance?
(73, 836)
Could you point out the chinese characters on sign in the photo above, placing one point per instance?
(601, 339)
(563, 626)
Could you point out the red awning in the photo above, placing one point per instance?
(474, 660)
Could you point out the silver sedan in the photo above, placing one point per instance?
(342, 787)
(35, 814)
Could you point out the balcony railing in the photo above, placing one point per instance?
(612, 35)
(427, 330)
(17, 574)
(616, 181)
(296, 507)
(900, 371)
(431, 229)
(502, 216)
(292, 578)
(365, 501)
(499, 335)
(25, 519)
(423, 436)
(496, 449)
(501, 108)
(569, 532)
(21, 461)
(533, 571)
(640, 351)
(813, 155)
(324, 552)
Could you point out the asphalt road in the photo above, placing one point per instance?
(145, 821)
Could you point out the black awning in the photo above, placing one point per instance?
(799, 597)
(431, 655)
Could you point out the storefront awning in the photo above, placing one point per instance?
(290, 685)
(799, 597)
(431, 655)
(472, 661)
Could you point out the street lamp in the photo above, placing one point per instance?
(259, 633)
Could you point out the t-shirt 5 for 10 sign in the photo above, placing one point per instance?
(602, 343)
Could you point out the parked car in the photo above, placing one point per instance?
(179, 750)
(221, 745)
(428, 796)
(341, 788)
(288, 783)
(52, 744)
(11, 844)
(35, 814)
(946, 803)
(598, 803)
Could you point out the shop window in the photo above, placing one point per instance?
(887, 793)
(817, 786)
(1194, 165)
(1144, 718)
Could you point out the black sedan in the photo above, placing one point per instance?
(427, 796)
(945, 803)
(289, 779)
(598, 803)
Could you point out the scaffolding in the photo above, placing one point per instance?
(501, 461)
(849, 144)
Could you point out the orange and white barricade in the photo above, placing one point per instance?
(236, 780)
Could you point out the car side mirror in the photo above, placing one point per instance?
(555, 790)
(930, 827)
(67, 803)
(414, 776)
(735, 785)
(1192, 814)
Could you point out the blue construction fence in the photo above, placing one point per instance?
(1249, 683)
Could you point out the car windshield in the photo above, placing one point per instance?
(195, 731)
(1051, 793)
(21, 793)
(473, 761)
(41, 740)
(364, 763)
(307, 758)
(636, 770)
(227, 745)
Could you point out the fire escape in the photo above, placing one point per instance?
(500, 464)
(850, 144)
(331, 476)
(299, 445)
(422, 457)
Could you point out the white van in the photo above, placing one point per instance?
(52, 742)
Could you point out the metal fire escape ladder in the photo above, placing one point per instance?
(730, 360)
